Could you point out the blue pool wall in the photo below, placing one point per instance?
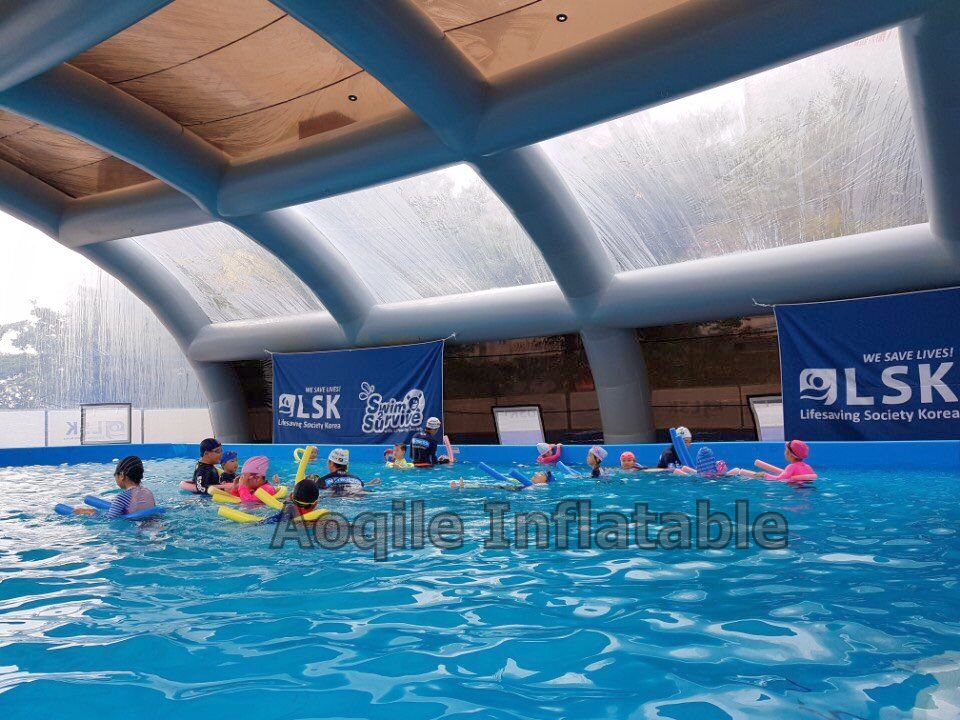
(931, 455)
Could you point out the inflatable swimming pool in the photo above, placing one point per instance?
(190, 616)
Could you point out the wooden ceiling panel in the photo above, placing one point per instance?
(108, 174)
(534, 32)
(277, 127)
(175, 34)
(282, 61)
(68, 164)
(450, 14)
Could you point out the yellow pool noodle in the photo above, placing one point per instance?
(239, 516)
(267, 499)
(303, 456)
(222, 497)
(314, 514)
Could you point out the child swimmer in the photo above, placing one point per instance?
(253, 476)
(397, 458)
(228, 467)
(541, 477)
(548, 454)
(595, 456)
(707, 465)
(795, 452)
(133, 496)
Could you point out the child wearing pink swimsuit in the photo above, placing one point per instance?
(795, 452)
(253, 476)
(547, 453)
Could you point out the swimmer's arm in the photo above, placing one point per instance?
(84, 511)
(551, 458)
(684, 470)
(740, 472)
(767, 467)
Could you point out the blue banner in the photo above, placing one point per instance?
(341, 397)
(880, 368)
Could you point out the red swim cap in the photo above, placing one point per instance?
(627, 456)
(798, 448)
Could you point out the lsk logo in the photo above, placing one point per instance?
(898, 381)
(314, 407)
(819, 384)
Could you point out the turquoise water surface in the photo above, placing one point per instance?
(191, 616)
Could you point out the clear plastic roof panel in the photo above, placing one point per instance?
(230, 276)
(80, 336)
(819, 148)
(440, 233)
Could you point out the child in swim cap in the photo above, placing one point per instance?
(708, 466)
(228, 467)
(541, 477)
(797, 471)
(628, 461)
(547, 453)
(595, 456)
(253, 477)
(302, 500)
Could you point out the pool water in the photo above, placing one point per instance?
(191, 616)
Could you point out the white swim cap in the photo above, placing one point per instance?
(433, 423)
(543, 448)
(684, 434)
(598, 452)
(339, 456)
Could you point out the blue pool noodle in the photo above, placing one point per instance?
(144, 514)
(100, 504)
(683, 455)
(97, 502)
(567, 470)
(520, 478)
(494, 473)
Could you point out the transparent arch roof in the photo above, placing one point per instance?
(80, 336)
(819, 148)
(231, 277)
(438, 233)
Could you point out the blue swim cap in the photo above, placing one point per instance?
(228, 456)
(706, 461)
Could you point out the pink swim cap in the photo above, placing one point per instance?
(798, 448)
(627, 456)
(257, 465)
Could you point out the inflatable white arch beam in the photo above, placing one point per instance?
(684, 50)
(431, 77)
(132, 130)
(931, 57)
(29, 45)
(696, 45)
